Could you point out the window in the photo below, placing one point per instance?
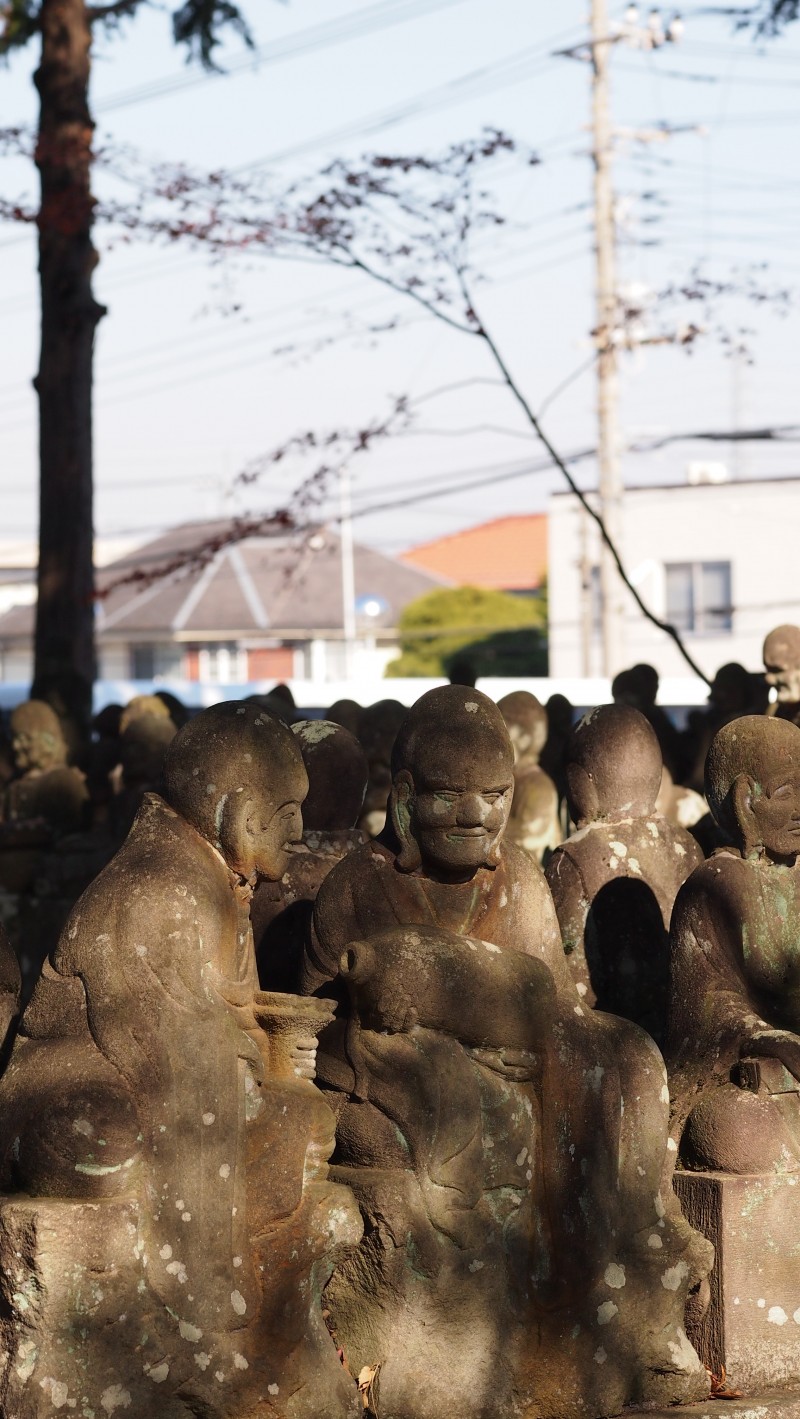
(154, 662)
(699, 596)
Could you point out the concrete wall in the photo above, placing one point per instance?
(754, 526)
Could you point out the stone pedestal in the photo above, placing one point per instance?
(752, 1325)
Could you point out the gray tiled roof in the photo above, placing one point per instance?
(272, 584)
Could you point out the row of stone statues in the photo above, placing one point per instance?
(475, 1209)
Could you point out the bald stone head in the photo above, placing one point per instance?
(337, 774)
(526, 721)
(782, 663)
(753, 785)
(36, 737)
(613, 764)
(140, 706)
(236, 774)
(452, 782)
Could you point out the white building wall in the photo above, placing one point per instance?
(755, 526)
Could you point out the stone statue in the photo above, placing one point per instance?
(615, 880)
(733, 1052)
(345, 712)
(534, 822)
(736, 958)
(45, 787)
(141, 706)
(377, 726)
(638, 687)
(782, 667)
(143, 747)
(173, 1223)
(281, 912)
(505, 1146)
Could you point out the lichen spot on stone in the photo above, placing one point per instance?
(115, 1397)
(82, 1126)
(239, 1362)
(679, 849)
(57, 1391)
(652, 828)
(490, 946)
(606, 1312)
(238, 1302)
(619, 848)
(761, 1303)
(202, 1360)
(600, 1356)
(273, 1389)
(581, 988)
(578, 1009)
(165, 1252)
(672, 1146)
(225, 1171)
(633, 863)
(674, 1276)
(664, 1095)
(614, 1276)
(655, 1241)
(158, 1373)
(471, 707)
(777, 1315)
(208, 1119)
(211, 789)
(237, 1261)
(613, 863)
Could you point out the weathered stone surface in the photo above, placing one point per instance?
(281, 911)
(45, 788)
(507, 1149)
(174, 1224)
(377, 727)
(735, 961)
(751, 1329)
(782, 670)
(534, 822)
(615, 880)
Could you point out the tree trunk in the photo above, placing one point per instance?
(64, 642)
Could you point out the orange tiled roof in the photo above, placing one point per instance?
(508, 554)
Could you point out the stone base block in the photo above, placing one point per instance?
(768, 1404)
(752, 1325)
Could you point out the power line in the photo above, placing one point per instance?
(354, 25)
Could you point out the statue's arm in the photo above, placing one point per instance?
(570, 899)
(714, 1017)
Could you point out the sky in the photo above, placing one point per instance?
(187, 394)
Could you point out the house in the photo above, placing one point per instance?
(718, 560)
(197, 604)
(506, 554)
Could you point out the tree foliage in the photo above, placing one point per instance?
(500, 634)
(197, 24)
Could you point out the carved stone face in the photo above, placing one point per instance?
(782, 663)
(459, 823)
(270, 829)
(36, 737)
(775, 808)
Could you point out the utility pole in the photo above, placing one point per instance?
(609, 470)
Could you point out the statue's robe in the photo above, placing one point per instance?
(735, 970)
(155, 960)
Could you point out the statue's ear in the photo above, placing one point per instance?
(236, 829)
(400, 801)
(741, 795)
